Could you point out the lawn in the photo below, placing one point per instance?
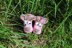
(57, 33)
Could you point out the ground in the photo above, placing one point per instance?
(57, 33)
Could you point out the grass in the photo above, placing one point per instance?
(57, 33)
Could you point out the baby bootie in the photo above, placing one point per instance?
(39, 23)
(27, 19)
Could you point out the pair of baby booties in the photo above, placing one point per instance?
(35, 27)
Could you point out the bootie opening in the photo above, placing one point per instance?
(33, 23)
